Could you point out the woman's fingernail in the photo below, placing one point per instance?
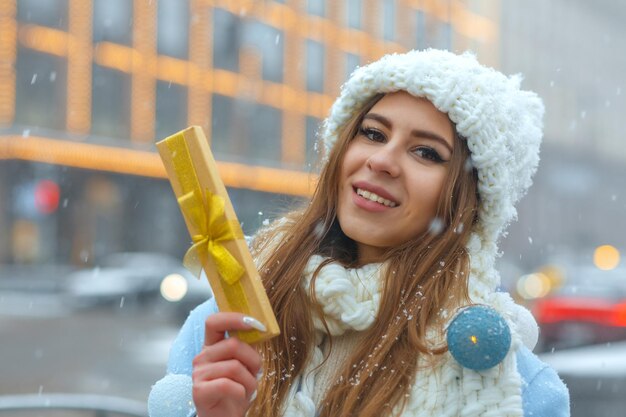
(254, 323)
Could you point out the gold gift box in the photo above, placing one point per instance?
(219, 247)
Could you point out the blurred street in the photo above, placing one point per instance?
(51, 346)
(86, 351)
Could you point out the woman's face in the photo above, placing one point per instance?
(393, 172)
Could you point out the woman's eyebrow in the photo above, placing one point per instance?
(431, 135)
(379, 118)
(415, 132)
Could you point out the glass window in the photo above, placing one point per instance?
(314, 66)
(51, 13)
(316, 7)
(254, 208)
(110, 103)
(389, 20)
(173, 28)
(151, 212)
(171, 108)
(433, 32)
(313, 125)
(445, 36)
(230, 33)
(268, 42)
(352, 63)
(260, 138)
(113, 21)
(221, 133)
(354, 12)
(41, 81)
(226, 40)
(420, 30)
(246, 132)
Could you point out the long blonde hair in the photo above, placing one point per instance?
(434, 269)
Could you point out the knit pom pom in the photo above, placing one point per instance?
(478, 338)
(171, 397)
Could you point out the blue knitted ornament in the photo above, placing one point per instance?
(478, 338)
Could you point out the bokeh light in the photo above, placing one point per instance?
(173, 287)
(533, 286)
(606, 257)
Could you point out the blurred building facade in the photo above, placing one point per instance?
(88, 87)
(570, 54)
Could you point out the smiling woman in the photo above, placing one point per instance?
(393, 174)
(426, 154)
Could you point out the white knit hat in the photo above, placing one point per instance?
(501, 122)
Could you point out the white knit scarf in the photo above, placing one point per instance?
(350, 300)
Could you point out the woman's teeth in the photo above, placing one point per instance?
(373, 197)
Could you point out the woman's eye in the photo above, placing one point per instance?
(428, 153)
(372, 134)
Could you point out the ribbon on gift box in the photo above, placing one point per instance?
(205, 211)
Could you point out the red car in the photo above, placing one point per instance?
(589, 308)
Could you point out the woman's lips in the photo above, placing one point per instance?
(371, 198)
(374, 193)
(375, 197)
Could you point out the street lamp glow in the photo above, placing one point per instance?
(606, 257)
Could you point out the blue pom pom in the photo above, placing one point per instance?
(478, 338)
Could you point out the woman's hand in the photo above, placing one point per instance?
(224, 372)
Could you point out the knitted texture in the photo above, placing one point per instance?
(501, 122)
(176, 390)
(350, 299)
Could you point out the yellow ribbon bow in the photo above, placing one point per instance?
(206, 212)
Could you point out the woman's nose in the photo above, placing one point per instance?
(385, 160)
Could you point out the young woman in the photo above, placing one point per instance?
(426, 154)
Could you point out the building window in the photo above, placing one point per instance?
(246, 132)
(389, 20)
(445, 35)
(314, 66)
(316, 7)
(433, 32)
(40, 84)
(111, 103)
(221, 134)
(263, 136)
(173, 28)
(226, 40)
(171, 109)
(352, 62)
(420, 30)
(51, 13)
(312, 152)
(354, 12)
(113, 21)
(268, 42)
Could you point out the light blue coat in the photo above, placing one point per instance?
(543, 392)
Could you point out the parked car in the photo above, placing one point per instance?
(588, 308)
(132, 277)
